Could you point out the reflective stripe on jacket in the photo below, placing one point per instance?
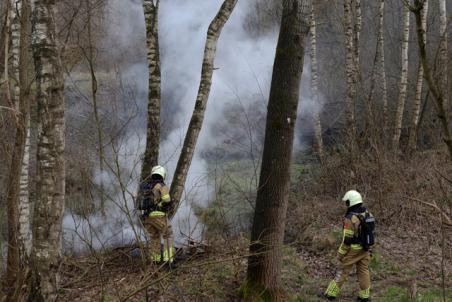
(350, 235)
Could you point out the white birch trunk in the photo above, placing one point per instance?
(50, 189)
(24, 198)
(350, 69)
(151, 154)
(15, 49)
(357, 35)
(403, 79)
(443, 59)
(24, 207)
(315, 85)
(381, 42)
(188, 149)
(419, 81)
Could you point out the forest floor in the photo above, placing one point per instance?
(407, 258)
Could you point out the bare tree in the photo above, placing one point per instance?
(403, 79)
(18, 242)
(433, 87)
(50, 188)
(264, 264)
(351, 71)
(315, 82)
(378, 70)
(188, 148)
(419, 82)
(6, 39)
(357, 33)
(381, 42)
(151, 155)
(443, 58)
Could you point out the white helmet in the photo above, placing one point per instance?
(159, 170)
(353, 197)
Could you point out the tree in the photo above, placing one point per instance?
(17, 199)
(378, 69)
(315, 82)
(264, 264)
(188, 148)
(403, 79)
(438, 95)
(50, 187)
(419, 81)
(151, 155)
(443, 59)
(351, 72)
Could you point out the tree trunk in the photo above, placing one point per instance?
(183, 164)
(15, 49)
(419, 81)
(91, 60)
(443, 59)
(18, 245)
(315, 84)
(7, 36)
(378, 60)
(357, 34)
(50, 188)
(264, 264)
(438, 96)
(383, 67)
(151, 155)
(24, 104)
(350, 69)
(403, 79)
(12, 264)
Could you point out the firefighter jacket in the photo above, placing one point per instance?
(350, 231)
(156, 196)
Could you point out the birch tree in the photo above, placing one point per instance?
(50, 187)
(378, 70)
(151, 154)
(438, 95)
(264, 264)
(18, 218)
(188, 148)
(381, 42)
(403, 79)
(315, 82)
(443, 58)
(419, 82)
(357, 34)
(350, 70)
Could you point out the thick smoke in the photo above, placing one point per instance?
(244, 71)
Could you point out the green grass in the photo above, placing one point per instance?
(399, 294)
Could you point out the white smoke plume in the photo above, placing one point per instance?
(244, 70)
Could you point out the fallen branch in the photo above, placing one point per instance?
(447, 220)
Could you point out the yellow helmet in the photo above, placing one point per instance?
(159, 170)
(352, 198)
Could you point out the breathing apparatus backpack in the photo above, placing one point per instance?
(366, 229)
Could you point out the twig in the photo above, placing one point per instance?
(447, 220)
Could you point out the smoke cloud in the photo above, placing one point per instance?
(244, 65)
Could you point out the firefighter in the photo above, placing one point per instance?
(351, 252)
(155, 204)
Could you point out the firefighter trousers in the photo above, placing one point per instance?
(161, 237)
(360, 259)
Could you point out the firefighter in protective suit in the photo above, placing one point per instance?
(155, 204)
(351, 252)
